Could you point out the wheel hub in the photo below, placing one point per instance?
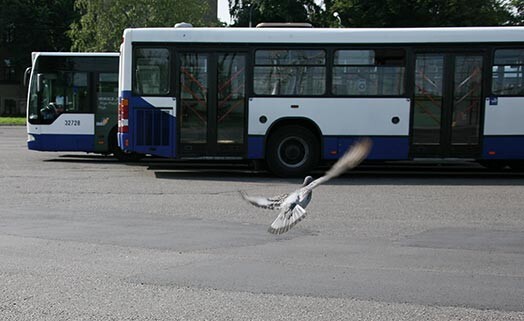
(293, 151)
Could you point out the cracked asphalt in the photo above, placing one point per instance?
(83, 237)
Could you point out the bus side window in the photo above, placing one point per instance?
(107, 92)
(290, 72)
(152, 71)
(508, 72)
(377, 72)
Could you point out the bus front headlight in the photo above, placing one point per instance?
(30, 138)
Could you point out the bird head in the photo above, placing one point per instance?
(307, 180)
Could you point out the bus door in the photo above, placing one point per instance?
(211, 103)
(447, 105)
(106, 104)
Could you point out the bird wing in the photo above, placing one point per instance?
(351, 158)
(290, 211)
(286, 219)
(272, 203)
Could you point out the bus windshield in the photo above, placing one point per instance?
(56, 93)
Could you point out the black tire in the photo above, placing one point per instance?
(119, 153)
(517, 165)
(493, 164)
(292, 151)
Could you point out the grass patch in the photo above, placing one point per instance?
(12, 120)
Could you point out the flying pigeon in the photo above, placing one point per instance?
(292, 206)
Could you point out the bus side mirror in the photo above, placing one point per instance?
(27, 74)
(39, 82)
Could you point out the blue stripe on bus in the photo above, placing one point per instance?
(62, 143)
(121, 139)
(146, 135)
(156, 141)
(503, 147)
(255, 147)
(126, 94)
(135, 100)
(384, 148)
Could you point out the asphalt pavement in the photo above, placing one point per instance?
(84, 237)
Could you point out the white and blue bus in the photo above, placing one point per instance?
(294, 97)
(72, 103)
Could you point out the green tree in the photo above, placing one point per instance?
(419, 13)
(517, 7)
(274, 11)
(34, 25)
(103, 21)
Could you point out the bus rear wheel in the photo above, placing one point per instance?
(517, 165)
(292, 151)
(118, 153)
(493, 164)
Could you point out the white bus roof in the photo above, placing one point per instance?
(325, 36)
(36, 54)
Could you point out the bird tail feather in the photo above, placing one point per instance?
(352, 157)
(297, 215)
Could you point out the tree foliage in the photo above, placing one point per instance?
(378, 13)
(420, 13)
(273, 11)
(518, 12)
(103, 21)
(34, 25)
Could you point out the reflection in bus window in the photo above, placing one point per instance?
(152, 71)
(107, 92)
(508, 72)
(290, 72)
(369, 72)
(61, 92)
(194, 97)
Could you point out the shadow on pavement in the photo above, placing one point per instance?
(394, 173)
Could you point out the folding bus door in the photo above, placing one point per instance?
(447, 105)
(212, 104)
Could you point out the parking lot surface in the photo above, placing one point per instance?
(84, 237)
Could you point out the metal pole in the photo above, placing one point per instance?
(250, 15)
